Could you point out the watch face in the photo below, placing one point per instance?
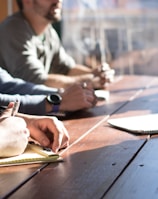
(54, 99)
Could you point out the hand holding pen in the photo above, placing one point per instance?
(105, 74)
(10, 110)
(15, 108)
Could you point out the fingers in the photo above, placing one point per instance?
(49, 132)
(61, 137)
(64, 136)
(79, 96)
(103, 78)
(10, 105)
(102, 75)
(108, 75)
(90, 97)
(7, 111)
(11, 109)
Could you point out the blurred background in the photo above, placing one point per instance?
(120, 32)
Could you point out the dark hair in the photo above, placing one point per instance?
(20, 4)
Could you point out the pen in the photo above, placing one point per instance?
(41, 150)
(15, 108)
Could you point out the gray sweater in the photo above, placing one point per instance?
(29, 56)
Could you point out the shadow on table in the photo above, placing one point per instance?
(89, 173)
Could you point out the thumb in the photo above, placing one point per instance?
(8, 111)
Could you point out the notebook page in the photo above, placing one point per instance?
(146, 124)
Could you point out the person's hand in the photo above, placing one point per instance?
(103, 75)
(7, 110)
(13, 134)
(77, 97)
(48, 131)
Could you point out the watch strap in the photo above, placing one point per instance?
(55, 108)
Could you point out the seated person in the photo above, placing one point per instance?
(34, 53)
(34, 98)
(21, 126)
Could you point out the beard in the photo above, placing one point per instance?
(53, 14)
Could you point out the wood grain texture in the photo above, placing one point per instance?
(140, 178)
(98, 154)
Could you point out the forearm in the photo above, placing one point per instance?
(59, 81)
(79, 70)
(28, 103)
(11, 85)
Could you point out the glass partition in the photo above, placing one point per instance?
(120, 32)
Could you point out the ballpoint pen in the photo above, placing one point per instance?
(40, 149)
(15, 108)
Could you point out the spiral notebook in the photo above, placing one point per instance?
(145, 124)
(34, 153)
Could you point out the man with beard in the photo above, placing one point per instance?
(31, 49)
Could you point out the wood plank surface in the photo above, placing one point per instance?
(145, 102)
(97, 154)
(11, 178)
(140, 178)
(90, 167)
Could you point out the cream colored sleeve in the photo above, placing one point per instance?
(13, 136)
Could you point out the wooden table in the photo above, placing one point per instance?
(101, 162)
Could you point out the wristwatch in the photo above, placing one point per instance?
(55, 100)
